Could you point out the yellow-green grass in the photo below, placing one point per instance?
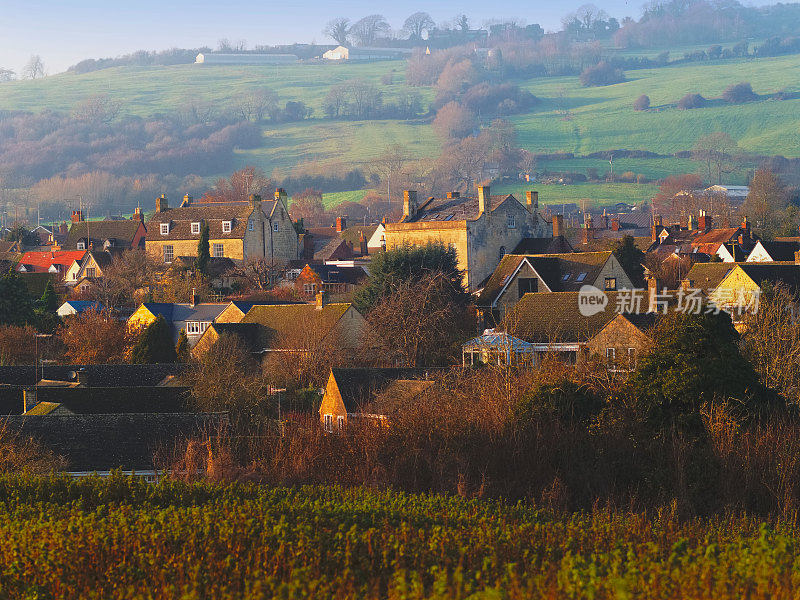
(602, 118)
(592, 194)
(333, 199)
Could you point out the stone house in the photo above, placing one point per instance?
(332, 279)
(481, 230)
(238, 230)
(517, 275)
(192, 317)
(777, 251)
(126, 234)
(623, 341)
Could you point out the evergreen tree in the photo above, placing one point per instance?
(631, 259)
(203, 251)
(409, 264)
(182, 348)
(49, 300)
(155, 344)
(16, 304)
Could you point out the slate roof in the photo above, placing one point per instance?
(337, 274)
(104, 442)
(248, 333)
(335, 249)
(121, 375)
(213, 213)
(217, 265)
(552, 245)
(358, 387)
(780, 250)
(453, 209)
(82, 400)
(80, 306)
(122, 232)
(552, 268)
(181, 312)
(774, 273)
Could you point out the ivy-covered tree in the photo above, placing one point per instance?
(16, 304)
(203, 251)
(155, 344)
(49, 300)
(408, 264)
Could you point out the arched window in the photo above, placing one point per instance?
(502, 252)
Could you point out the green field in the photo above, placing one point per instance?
(120, 538)
(569, 118)
(592, 194)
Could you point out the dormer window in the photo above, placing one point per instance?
(195, 228)
(81, 245)
(164, 228)
(226, 226)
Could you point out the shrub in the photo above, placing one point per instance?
(691, 101)
(602, 73)
(642, 102)
(155, 344)
(739, 93)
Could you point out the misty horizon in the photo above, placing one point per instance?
(64, 35)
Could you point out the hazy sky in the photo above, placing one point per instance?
(64, 32)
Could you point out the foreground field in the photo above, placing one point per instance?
(127, 539)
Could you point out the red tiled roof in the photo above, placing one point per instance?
(42, 260)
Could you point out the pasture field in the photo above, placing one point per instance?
(120, 538)
(593, 194)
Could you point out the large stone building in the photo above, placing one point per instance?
(481, 230)
(237, 230)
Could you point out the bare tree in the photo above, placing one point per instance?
(7, 75)
(389, 164)
(261, 272)
(97, 108)
(453, 121)
(462, 22)
(196, 109)
(256, 104)
(338, 30)
(766, 200)
(418, 24)
(367, 30)
(717, 151)
(34, 69)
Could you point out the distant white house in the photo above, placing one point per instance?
(341, 53)
(377, 240)
(214, 58)
(734, 193)
(76, 307)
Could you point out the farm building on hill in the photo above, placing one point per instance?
(245, 59)
(366, 54)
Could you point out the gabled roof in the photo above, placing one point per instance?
(548, 318)
(707, 276)
(248, 333)
(180, 312)
(213, 213)
(781, 250)
(773, 273)
(337, 274)
(40, 261)
(559, 272)
(454, 209)
(80, 306)
(281, 319)
(123, 232)
(359, 387)
(335, 249)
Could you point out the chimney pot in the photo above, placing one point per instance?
(321, 300)
(187, 200)
(363, 243)
(453, 195)
(341, 224)
(409, 203)
(161, 203)
(532, 200)
(615, 224)
(280, 194)
(77, 216)
(193, 300)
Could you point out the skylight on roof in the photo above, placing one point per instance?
(566, 276)
(581, 277)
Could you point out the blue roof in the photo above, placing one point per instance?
(83, 305)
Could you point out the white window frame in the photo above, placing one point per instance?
(251, 226)
(218, 250)
(227, 226)
(275, 227)
(164, 228)
(171, 253)
(605, 284)
(309, 288)
(511, 222)
(328, 421)
(632, 359)
(196, 228)
(611, 357)
(91, 272)
(204, 325)
(81, 246)
(340, 422)
(192, 327)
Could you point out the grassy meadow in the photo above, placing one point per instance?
(569, 118)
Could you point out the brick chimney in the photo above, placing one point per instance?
(532, 200)
(409, 204)
(615, 224)
(341, 224)
(453, 195)
(654, 286)
(161, 203)
(321, 300)
(655, 228)
(137, 214)
(363, 243)
(77, 216)
(280, 194)
(604, 220)
(746, 227)
(558, 225)
(484, 200)
(704, 222)
(588, 229)
(193, 298)
(690, 223)
(187, 200)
